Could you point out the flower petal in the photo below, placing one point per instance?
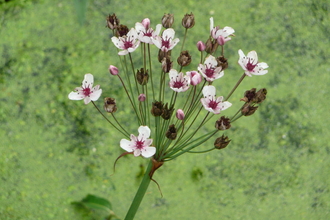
(126, 145)
(76, 96)
(148, 152)
(144, 132)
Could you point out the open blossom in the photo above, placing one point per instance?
(167, 41)
(211, 103)
(139, 145)
(210, 70)
(86, 91)
(178, 82)
(145, 33)
(250, 63)
(127, 43)
(221, 35)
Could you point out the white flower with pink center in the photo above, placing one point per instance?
(128, 43)
(86, 91)
(167, 41)
(223, 33)
(211, 103)
(210, 70)
(139, 145)
(178, 82)
(250, 63)
(145, 33)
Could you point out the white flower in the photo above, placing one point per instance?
(216, 32)
(86, 91)
(210, 70)
(127, 43)
(250, 63)
(145, 33)
(167, 41)
(211, 103)
(178, 82)
(140, 145)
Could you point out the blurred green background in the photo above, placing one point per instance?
(55, 151)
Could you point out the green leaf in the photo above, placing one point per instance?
(96, 203)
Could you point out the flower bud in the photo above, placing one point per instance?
(248, 109)
(167, 20)
(188, 20)
(180, 114)
(211, 46)
(200, 46)
(166, 65)
(260, 96)
(221, 142)
(195, 77)
(249, 95)
(112, 21)
(146, 23)
(110, 105)
(142, 76)
(222, 123)
(142, 97)
(113, 70)
(171, 133)
(157, 108)
(184, 59)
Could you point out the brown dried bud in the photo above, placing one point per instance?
(166, 65)
(110, 105)
(248, 109)
(211, 46)
(188, 20)
(249, 95)
(223, 123)
(221, 142)
(184, 59)
(167, 20)
(222, 61)
(164, 54)
(167, 112)
(157, 108)
(112, 22)
(171, 133)
(122, 30)
(142, 76)
(260, 95)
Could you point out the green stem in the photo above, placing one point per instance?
(139, 194)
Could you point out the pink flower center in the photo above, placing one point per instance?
(128, 44)
(178, 84)
(87, 91)
(209, 72)
(166, 43)
(250, 66)
(139, 144)
(213, 104)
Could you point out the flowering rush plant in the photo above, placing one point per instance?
(172, 98)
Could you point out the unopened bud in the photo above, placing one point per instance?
(142, 76)
(110, 105)
(221, 142)
(113, 70)
(223, 123)
(184, 59)
(142, 97)
(221, 40)
(195, 77)
(167, 20)
(211, 46)
(260, 96)
(171, 133)
(249, 95)
(112, 21)
(200, 46)
(157, 108)
(167, 65)
(188, 20)
(146, 23)
(248, 109)
(180, 114)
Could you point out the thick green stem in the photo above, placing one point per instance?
(139, 194)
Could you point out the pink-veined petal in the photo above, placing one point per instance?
(96, 94)
(144, 131)
(126, 145)
(148, 152)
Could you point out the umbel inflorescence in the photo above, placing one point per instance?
(172, 96)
